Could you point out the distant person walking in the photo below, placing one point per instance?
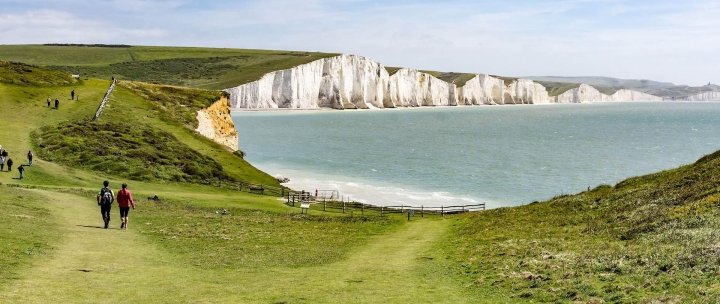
(21, 169)
(105, 199)
(57, 104)
(2, 163)
(48, 101)
(30, 157)
(125, 201)
(72, 94)
(9, 163)
(4, 153)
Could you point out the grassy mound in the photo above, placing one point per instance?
(180, 104)
(23, 74)
(134, 151)
(649, 238)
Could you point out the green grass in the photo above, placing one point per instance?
(208, 68)
(647, 239)
(135, 151)
(23, 74)
(181, 104)
(255, 239)
(28, 229)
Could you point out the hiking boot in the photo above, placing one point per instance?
(122, 225)
(106, 225)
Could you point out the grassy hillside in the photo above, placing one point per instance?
(608, 85)
(209, 68)
(648, 239)
(23, 74)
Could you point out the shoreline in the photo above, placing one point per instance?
(452, 106)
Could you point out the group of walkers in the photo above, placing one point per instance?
(105, 199)
(6, 160)
(57, 101)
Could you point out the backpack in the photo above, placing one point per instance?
(106, 197)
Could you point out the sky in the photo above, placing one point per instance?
(663, 40)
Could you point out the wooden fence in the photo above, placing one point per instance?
(297, 199)
(327, 201)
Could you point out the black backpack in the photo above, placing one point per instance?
(106, 197)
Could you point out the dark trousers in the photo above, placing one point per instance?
(105, 211)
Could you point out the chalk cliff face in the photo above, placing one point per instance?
(525, 91)
(412, 88)
(707, 96)
(482, 90)
(355, 82)
(214, 122)
(630, 95)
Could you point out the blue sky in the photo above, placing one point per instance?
(675, 41)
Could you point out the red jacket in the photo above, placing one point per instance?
(124, 198)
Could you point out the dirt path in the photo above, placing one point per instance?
(91, 264)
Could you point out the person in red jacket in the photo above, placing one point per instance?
(125, 200)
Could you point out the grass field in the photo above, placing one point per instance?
(649, 239)
(208, 68)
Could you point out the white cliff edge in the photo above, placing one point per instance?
(707, 96)
(355, 82)
(215, 122)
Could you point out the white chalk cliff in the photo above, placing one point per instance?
(707, 96)
(355, 82)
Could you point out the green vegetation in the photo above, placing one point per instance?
(458, 79)
(136, 151)
(181, 104)
(22, 213)
(258, 239)
(208, 68)
(557, 88)
(648, 239)
(23, 74)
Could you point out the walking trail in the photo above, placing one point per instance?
(91, 264)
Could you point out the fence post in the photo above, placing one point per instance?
(442, 210)
(363, 208)
(343, 207)
(401, 210)
(463, 210)
(283, 192)
(382, 210)
(422, 211)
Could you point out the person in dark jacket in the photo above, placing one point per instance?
(72, 94)
(9, 163)
(57, 104)
(30, 157)
(21, 169)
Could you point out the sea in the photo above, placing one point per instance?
(498, 155)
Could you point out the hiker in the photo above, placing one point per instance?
(4, 153)
(125, 200)
(105, 199)
(48, 100)
(72, 94)
(30, 157)
(21, 169)
(9, 163)
(2, 163)
(57, 104)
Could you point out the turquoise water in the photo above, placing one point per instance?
(501, 155)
